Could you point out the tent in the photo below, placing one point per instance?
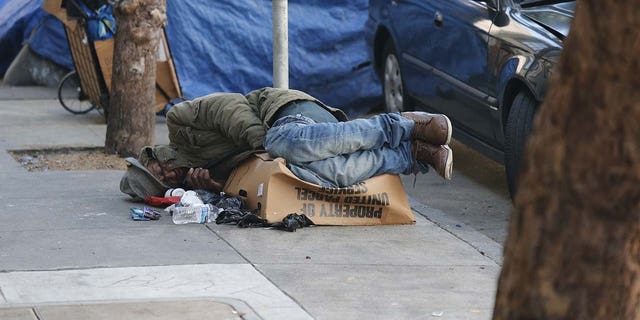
(227, 46)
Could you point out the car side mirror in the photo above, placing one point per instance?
(501, 18)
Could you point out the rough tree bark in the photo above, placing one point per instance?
(131, 117)
(573, 249)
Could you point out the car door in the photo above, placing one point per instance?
(445, 59)
(411, 21)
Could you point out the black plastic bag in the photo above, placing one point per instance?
(292, 222)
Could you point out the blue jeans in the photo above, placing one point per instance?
(344, 153)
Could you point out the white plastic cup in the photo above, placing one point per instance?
(177, 192)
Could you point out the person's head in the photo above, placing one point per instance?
(154, 172)
(167, 172)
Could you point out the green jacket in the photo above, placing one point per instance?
(220, 130)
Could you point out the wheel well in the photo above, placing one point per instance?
(382, 35)
(510, 92)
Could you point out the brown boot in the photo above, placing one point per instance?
(438, 157)
(429, 127)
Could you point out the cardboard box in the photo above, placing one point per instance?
(268, 185)
(167, 87)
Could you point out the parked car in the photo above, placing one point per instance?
(485, 64)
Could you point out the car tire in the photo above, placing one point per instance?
(518, 127)
(395, 97)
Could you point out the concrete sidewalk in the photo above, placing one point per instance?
(69, 249)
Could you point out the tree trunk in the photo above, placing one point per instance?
(573, 249)
(131, 117)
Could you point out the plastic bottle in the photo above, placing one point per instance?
(191, 199)
(194, 214)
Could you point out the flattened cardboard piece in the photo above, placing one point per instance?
(268, 185)
(165, 74)
(54, 7)
(104, 51)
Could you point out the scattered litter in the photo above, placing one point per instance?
(191, 199)
(161, 201)
(177, 192)
(292, 222)
(195, 214)
(437, 313)
(209, 197)
(252, 221)
(137, 214)
(248, 219)
(230, 203)
(231, 211)
(230, 216)
(244, 219)
(144, 214)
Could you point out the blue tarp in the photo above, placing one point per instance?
(17, 20)
(227, 46)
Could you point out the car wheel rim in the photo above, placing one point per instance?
(392, 84)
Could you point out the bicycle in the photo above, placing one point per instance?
(87, 87)
(83, 89)
(71, 96)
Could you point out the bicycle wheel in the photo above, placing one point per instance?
(71, 96)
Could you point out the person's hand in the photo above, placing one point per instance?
(198, 178)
